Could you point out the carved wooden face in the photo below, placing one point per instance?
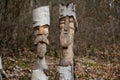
(41, 34)
(67, 31)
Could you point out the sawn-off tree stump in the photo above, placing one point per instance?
(68, 25)
(41, 20)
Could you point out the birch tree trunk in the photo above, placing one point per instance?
(40, 26)
(2, 72)
(68, 25)
(0, 68)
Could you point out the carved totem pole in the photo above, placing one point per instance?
(2, 72)
(68, 25)
(41, 18)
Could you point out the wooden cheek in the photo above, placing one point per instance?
(62, 25)
(71, 24)
(72, 28)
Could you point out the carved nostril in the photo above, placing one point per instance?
(65, 30)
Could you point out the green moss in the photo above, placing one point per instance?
(91, 64)
(23, 64)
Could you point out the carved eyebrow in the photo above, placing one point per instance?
(36, 28)
(62, 19)
(62, 22)
(71, 19)
(45, 26)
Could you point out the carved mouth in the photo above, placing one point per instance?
(64, 47)
(65, 33)
(65, 40)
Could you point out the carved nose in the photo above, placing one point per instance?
(65, 30)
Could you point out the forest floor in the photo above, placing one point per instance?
(97, 65)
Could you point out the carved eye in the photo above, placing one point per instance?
(71, 19)
(62, 23)
(62, 20)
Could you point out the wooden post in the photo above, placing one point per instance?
(68, 25)
(41, 18)
(2, 72)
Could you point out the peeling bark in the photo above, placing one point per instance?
(65, 73)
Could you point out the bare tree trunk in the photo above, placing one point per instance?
(41, 24)
(68, 27)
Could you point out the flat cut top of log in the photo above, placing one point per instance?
(68, 10)
(41, 16)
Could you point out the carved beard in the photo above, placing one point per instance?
(66, 39)
(41, 50)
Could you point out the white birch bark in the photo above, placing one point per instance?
(2, 72)
(38, 75)
(0, 63)
(0, 68)
(65, 73)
